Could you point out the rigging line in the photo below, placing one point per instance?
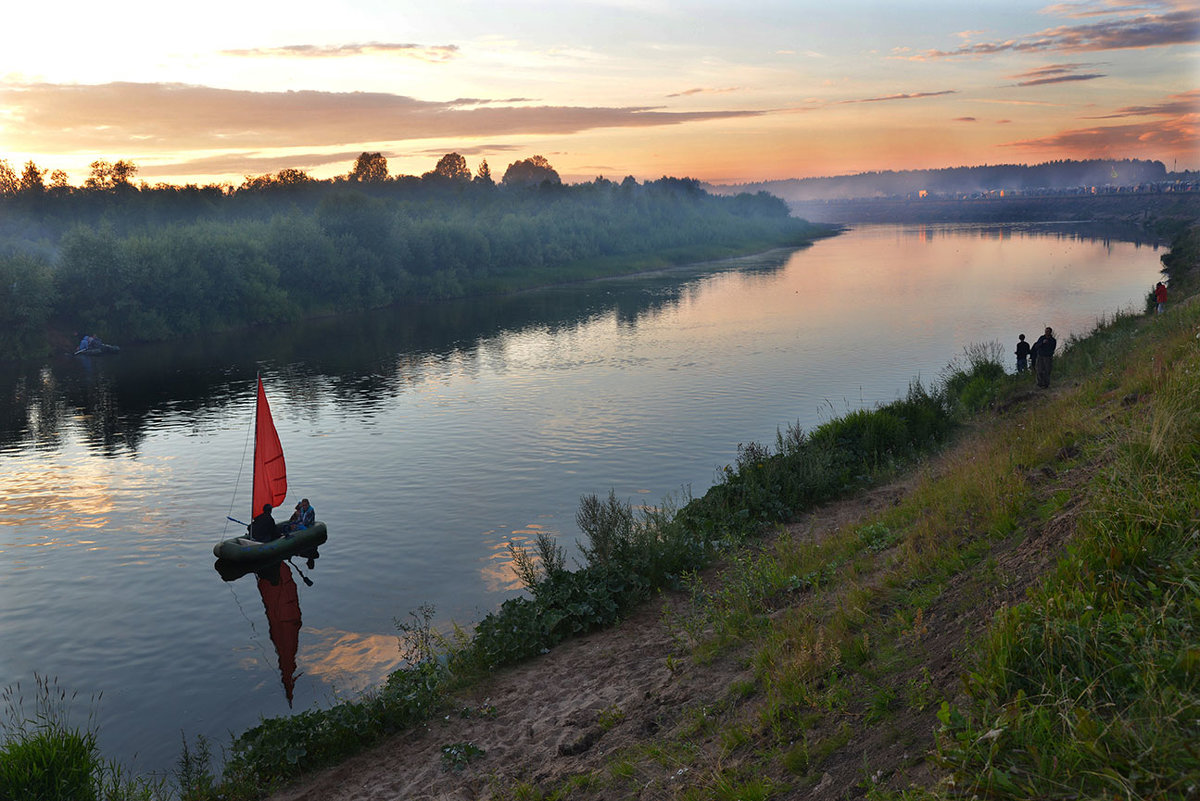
(241, 469)
(254, 635)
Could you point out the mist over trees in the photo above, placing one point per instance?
(1064, 174)
(139, 262)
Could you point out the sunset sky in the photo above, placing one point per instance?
(721, 91)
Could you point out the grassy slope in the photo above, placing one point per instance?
(1024, 621)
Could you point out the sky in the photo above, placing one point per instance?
(725, 92)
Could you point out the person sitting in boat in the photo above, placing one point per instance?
(262, 527)
(303, 517)
(89, 341)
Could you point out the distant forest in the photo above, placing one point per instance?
(1065, 174)
(134, 262)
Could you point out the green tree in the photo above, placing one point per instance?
(27, 296)
(451, 167)
(484, 175)
(369, 168)
(532, 171)
(291, 176)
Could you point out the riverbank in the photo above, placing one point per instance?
(757, 496)
(828, 660)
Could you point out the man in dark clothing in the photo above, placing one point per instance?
(1022, 354)
(1044, 348)
(262, 527)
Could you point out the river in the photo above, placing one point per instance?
(430, 437)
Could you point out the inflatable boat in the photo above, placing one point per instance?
(288, 543)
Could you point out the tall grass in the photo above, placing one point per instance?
(45, 757)
(1092, 687)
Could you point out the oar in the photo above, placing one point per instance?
(307, 580)
(235, 520)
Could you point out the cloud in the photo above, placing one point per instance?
(903, 96)
(965, 119)
(1101, 8)
(116, 118)
(257, 163)
(1178, 130)
(1146, 30)
(431, 53)
(1118, 140)
(1055, 73)
(705, 91)
(249, 163)
(1180, 104)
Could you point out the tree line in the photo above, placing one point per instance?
(137, 262)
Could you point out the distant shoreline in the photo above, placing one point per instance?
(1134, 208)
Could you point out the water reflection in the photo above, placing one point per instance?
(281, 601)
(358, 361)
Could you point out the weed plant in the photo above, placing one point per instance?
(44, 757)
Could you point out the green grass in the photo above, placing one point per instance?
(1087, 687)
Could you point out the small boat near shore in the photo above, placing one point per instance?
(98, 350)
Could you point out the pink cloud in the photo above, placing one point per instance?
(171, 117)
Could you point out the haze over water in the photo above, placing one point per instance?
(430, 437)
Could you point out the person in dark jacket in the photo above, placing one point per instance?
(1022, 354)
(262, 527)
(1045, 357)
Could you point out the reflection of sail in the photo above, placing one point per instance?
(279, 596)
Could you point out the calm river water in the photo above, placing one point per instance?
(428, 438)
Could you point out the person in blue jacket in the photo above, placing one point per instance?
(304, 516)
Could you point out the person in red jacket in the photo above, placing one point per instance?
(1160, 296)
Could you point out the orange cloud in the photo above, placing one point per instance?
(173, 117)
(904, 96)
(704, 91)
(431, 53)
(1184, 103)
(1181, 134)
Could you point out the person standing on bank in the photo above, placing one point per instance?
(1045, 357)
(1160, 297)
(1022, 354)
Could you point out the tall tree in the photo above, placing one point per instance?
(8, 179)
(451, 167)
(290, 176)
(484, 174)
(31, 180)
(369, 168)
(530, 172)
(122, 173)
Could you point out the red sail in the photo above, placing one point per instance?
(270, 473)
